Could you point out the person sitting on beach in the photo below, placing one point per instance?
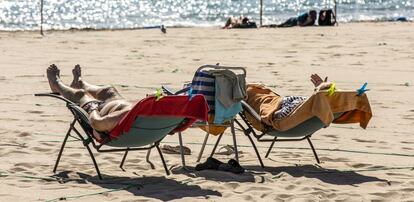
(326, 17)
(240, 22)
(304, 19)
(105, 105)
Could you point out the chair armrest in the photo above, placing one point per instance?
(55, 95)
(250, 110)
(169, 91)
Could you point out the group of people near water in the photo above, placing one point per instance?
(326, 18)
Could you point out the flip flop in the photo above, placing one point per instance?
(227, 150)
(168, 149)
(210, 164)
(231, 166)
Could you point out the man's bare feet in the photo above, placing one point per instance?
(77, 80)
(53, 76)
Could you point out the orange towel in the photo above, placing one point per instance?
(213, 129)
(355, 109)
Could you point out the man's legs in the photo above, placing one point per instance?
(57, 86)
(102, 93)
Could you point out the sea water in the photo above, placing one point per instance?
(127, 14)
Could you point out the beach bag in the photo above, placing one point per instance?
(328, 20)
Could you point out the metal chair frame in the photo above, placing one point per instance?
(88, 139)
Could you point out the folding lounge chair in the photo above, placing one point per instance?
(214, 129)
(301, 132)
(145, 132)
(307, 128)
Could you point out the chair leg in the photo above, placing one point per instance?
(180, 140)
(148, 160)
(233, 132)
(94, 161)
(215, 145)
(123, 160)
(63, 145)
(162, 159)
(255, 150)
(202, 147)
(313, 149)
(271, 147)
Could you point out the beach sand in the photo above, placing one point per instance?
(357, 164)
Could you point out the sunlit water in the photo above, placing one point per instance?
(124, 14)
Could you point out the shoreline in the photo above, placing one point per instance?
(196, 27)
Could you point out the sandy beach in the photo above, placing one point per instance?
(375, 164)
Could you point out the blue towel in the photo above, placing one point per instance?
(222, 113)
(204, 84)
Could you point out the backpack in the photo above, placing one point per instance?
(329, 20)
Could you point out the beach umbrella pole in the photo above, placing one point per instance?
(261, 12)
(336, 14)
(41, 17)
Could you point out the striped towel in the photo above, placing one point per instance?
(204, 84)
(288, 105)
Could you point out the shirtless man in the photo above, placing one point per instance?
(105, 105)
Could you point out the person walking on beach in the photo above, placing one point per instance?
(304, 19)
(105, 105)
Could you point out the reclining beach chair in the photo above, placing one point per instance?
(211, 128)
(301, 132)
(141, 129)
(355, 110)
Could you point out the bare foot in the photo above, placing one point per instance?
(53, 75)
(77, 80)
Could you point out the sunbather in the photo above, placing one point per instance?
(240, 22)
(289, 103)
(305, 19)
(104, 105)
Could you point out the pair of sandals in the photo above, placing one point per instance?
(214, 164)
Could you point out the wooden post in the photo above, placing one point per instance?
(41, 17)
(261, 12)
(336, 14)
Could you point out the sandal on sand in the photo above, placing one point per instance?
(210, 164)
(168, 149)
(231, 166)
(227, 150)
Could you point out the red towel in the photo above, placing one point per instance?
(173, 106)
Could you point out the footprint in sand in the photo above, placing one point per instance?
(24, 165)
(334, 46)
(24, 134)
(34, 112)
(391, 194)
(75, 155)
(407, 142)
(39, 149)
(29, 76)
(331, 136)
(364, 141)
(48, 144)
(328, 159)
(359, 165)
